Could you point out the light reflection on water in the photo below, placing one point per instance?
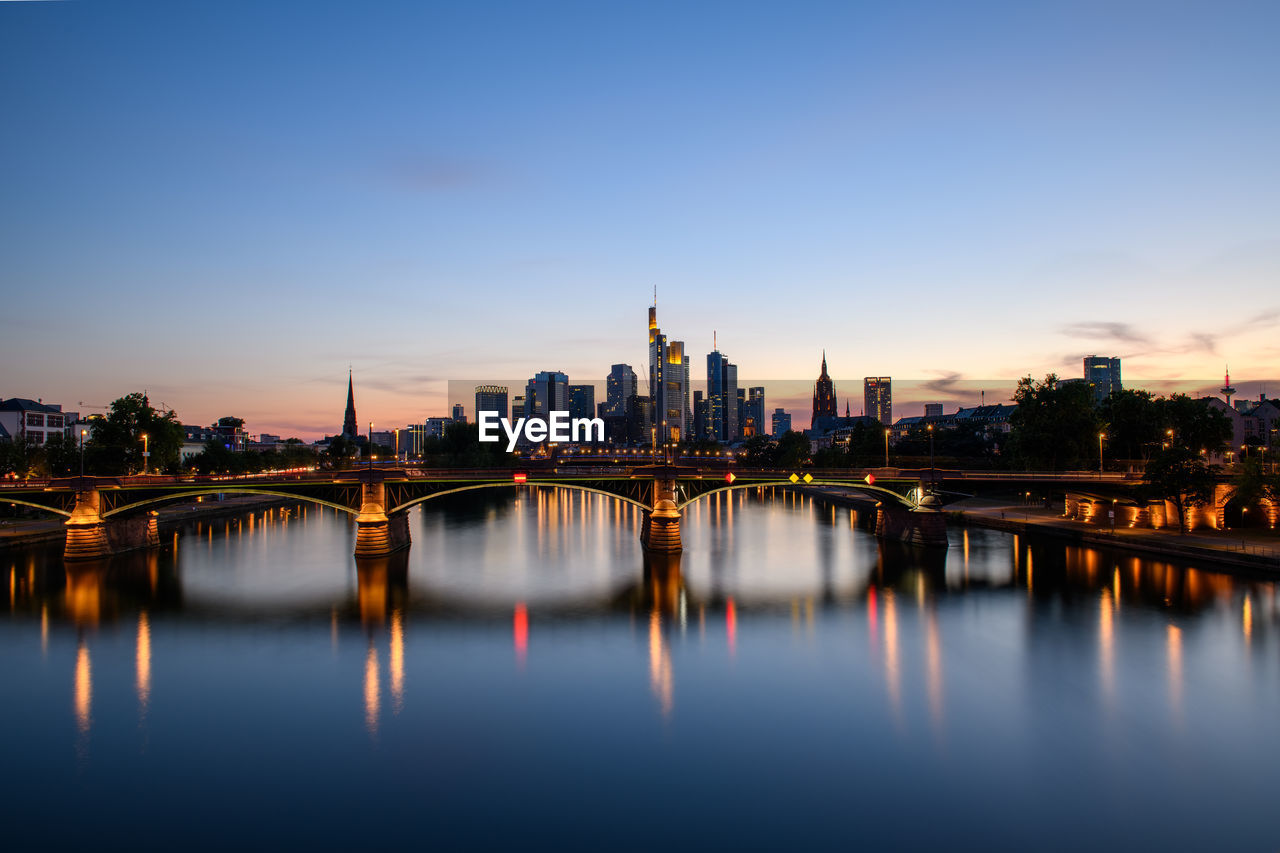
(787, 667)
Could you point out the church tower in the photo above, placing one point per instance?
(824, 394)
(349, 429)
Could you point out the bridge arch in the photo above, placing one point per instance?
(508, 484)
(62, 512)
(876, 492)
(190, 493)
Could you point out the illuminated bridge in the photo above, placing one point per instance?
(107, 515)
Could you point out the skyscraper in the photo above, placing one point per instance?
(722, 397)
(781, 422)
(824, 395)
(459, 413)
(755, 410)
(619, 385)
(582, 401)
(1103, 374)
(491, 398)
(877, 398)
(349, 428)
(547, 392)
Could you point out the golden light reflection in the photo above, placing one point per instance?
(1246, 618)
(371, 690)
(397, 661)
(661, 680)
(44, 629)
(933, 669)
(1106, 646)
(84, 594)
(965, 539)
(1029, 570)
(1174, 650)
(143, 662)
(892, 673)
(83, 689)
(1115, 585)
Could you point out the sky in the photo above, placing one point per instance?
(230, 204)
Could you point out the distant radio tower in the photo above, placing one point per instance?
(1226, 388)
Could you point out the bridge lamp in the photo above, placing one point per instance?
(1101, 437)
(145, 453)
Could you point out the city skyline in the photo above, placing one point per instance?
(954, 196)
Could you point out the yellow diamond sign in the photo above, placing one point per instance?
(793, 478)
(808, 478)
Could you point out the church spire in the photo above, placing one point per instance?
(349, 428)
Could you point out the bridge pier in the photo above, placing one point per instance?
(90, 537)
(378, 534)
(916, 526)
(661, 531)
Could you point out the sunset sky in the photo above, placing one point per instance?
(227, 204)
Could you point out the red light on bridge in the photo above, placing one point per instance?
(871, 479)
(729, 478)
(520, 477)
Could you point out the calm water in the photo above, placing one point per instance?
(522, 677)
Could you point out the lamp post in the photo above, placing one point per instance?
(370, 445)
(930, 428)
(83, 433)
(886, 447)
(1101, 437)
(145, 453)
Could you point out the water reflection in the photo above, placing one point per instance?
(142, 663)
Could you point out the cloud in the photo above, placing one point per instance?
(1203, 341)
(943, 386)
(1112, 331)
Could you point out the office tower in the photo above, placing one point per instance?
(933, 410)
(582, 401)
(877, 398)
(1103, 374)
(676, 379)
(781, 422)
(722, 397)
(349, 428)
(459, 413)
(547, 392)
(619, 385)
(701, 423)
(519, 407)
(491, 398)
(755, 410)
(824, 395)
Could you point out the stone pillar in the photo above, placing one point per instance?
(86, 532)
(377, 534)
(662, 527)
(922, 526)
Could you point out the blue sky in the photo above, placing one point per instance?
(229, 203)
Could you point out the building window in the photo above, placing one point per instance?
(35, 437)
(54, 422)
(34, 419)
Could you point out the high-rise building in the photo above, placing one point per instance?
(676, 378)
(547, 392)
(722, 397)
(824, 395)
(877, 398)
(491, 398)
(582, 401)
(754, 411)
(619, 385)
(933, 410)
(349, 428)
(1103, 374)
(459, 413)
(701, 422)
(519, 408)
(781, 422)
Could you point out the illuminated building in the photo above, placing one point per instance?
(877, 398)
(722, 397)
(619, 385)
(459, 413)
(781, 422)
(824, 395)
(582, 401)
(491, 398)
(1103, 375)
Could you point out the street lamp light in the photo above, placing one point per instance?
(83, 433)
(886, 447)
(370, 445)
(930, 428)
(145, 453)
(1101, 437)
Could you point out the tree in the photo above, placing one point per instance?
(1133, 422)
(1196, 425)
(760, 451)
(1254, 483)
(116, 442)
(793, 450)
(1054, 426)
(1180, 476)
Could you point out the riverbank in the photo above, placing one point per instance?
(1248, 548)
(18, 532)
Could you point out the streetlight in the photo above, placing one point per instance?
(145, 454)
(83, 433)
(930, 428)
(1101, 437)
(370, 445)
(886, 447)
